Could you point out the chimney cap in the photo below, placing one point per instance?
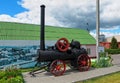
(42, 5)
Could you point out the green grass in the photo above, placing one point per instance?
(28, 69)
(111, 78)
(20, 31)
(11, 76)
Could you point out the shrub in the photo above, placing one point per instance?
(114, 44)
(11, 75)
(2, 74)
(102, 54)
(17, 79)
(3, 80)
(112, 51)
(12, 71)
(105, 61)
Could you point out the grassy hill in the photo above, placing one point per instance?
(20, 31)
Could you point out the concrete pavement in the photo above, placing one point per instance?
(71, 76)
(116, 59)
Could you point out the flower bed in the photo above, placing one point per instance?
(103, 62)
(11, 75)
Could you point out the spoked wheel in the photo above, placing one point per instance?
(84, 62)
(62, 44)
(57, 67)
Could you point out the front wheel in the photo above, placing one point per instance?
(83, 62)
(57, 67)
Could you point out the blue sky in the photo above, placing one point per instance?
(10, 7)
(66, 13)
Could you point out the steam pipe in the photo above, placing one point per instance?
(42, 30)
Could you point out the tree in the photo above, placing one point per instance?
(114, 43)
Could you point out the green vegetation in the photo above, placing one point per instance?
(105, 61)
(111, 78)
(20, 31)
(114, 47)
(112, 51)
(29, 69)
(26, 69)
(11, 75)
(114, 43)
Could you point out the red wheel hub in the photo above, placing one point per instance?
(83, 62)
(57, 67)
(62, 44)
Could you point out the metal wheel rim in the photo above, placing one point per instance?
(62, 44)
(57, 67)
(84, 62)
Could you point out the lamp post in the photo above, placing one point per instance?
(97, 29)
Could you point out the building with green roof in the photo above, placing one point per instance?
(31, 32)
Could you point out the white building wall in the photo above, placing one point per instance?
(92, 51)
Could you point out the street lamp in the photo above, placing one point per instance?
(97, 29)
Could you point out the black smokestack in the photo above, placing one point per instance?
(42, 35)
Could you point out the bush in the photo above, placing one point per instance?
(16, 79)
(114, 44)
(112, 51)
(12, 72)
(3, 80)
(105, 61)
(102, 54)
(11, 75)
(2, 74)
(102, 63)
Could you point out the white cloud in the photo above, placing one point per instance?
(70, 13)
(107, 34)
(93, 34)
(8, 18)
(111, 28)
(111, 11)
(32, 15)
(110, 14)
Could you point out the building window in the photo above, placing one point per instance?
(89, 51)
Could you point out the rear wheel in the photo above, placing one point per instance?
(57, 67)
(84, 62)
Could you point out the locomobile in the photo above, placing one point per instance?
(61, 53)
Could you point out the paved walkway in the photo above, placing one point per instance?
(116, 59)
(71, 76)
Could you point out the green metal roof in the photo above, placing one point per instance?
(20, 31)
